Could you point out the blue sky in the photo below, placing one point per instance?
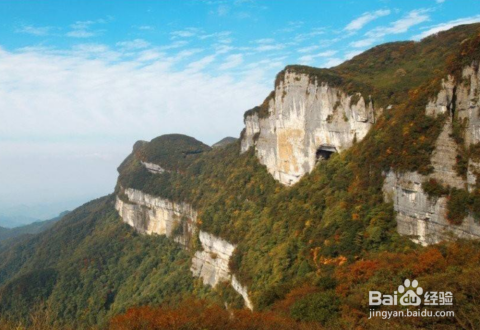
(81, 81)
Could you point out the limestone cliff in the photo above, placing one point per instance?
(423, 217)
(304, 120)
(157, 216)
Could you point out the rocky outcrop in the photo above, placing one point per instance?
(153, 168)
(418, 215)
(421, 217)
(302, 120)
(153, 215)
(212, 264)
(444, 159)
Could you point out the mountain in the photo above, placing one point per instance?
(344, 181)
(33, 228)
(224, 142)
(11, 221)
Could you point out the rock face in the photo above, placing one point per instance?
(153, 168)
(302, 121)
(420, 217)
(211, 264)
(424, 218)
(152, 215)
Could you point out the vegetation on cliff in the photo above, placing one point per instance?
(308, 253)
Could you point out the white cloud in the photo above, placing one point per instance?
(34, 30)
(308, 35)
(353, 53)
(439, 1)
(265, 41)
(402, 25)
(448, 25)
(363, 43)
(308, 59)
(231, 62)
(366, 18)
(334, 61)
(45, 96)
(133, 44)
(308, 49)
(82, 29)
(268, 47)
(80, 34)
(186, 33)
(145, 27)
(149, 55)
(175, 44)
(220, 35)
(201, 64)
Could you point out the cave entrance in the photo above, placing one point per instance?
(324, 152)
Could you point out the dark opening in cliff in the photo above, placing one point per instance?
(324, 152)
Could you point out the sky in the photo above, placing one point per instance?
(81, 81)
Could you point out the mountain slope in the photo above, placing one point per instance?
(308, 249)
(33, 228)
(90, 261)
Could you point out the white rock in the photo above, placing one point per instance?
(153, 215)
(302, 117)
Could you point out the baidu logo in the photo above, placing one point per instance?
(410, 294)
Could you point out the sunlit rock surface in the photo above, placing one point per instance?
(304, 118)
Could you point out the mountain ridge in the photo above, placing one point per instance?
(309, 250)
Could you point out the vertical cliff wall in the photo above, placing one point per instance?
(302, 121)
(423, 217)
(157, 216)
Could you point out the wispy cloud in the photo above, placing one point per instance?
(268, 47)
(308, 49)
(145, 27)
(185, 33)
(133, 44)
(366, 18)
(307, 59)
(220, 35)
(353, 53)
(82, 29)
(34, 30)
(201, 64)
(402, 25)
(448, 25)
(231, 62)
(334, 61)
(363, 43)
(308, 35)
(265, 41)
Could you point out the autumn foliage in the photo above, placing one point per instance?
(199, 315)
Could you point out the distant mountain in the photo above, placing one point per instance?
(224, 142)
(23, 214)
(32, 228)
(11, 221)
